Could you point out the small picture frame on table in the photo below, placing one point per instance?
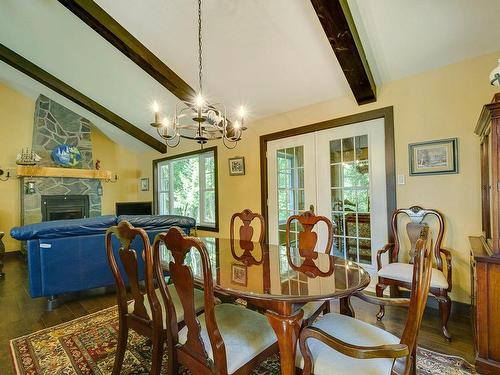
(145, 184)
(433, 157)
(239, 274)
(237, 166)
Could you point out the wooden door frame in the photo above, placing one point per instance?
(387, 113)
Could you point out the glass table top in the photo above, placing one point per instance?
(262, 271)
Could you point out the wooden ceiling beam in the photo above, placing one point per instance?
(339, 27)
(23, 65)
(106, 26)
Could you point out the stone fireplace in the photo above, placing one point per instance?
(56, 198)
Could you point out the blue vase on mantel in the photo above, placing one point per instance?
(66, 156)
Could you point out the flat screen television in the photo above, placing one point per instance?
(134, 208)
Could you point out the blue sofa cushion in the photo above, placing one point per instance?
(63, 228)
(149, 222)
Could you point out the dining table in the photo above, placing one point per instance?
(277, 282)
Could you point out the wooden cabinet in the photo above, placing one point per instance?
(485, 249)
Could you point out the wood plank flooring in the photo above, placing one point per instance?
(20, 315)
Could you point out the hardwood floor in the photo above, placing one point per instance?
(20, 315)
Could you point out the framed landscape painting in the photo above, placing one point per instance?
(434, 157)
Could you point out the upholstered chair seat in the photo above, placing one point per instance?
(246, 334)
(198, 303)
(404, 272)
(353, 331)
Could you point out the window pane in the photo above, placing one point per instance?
(209, 207)
(209, 164)
(348, 149)
(163, 204)
(209, 181)
(336, 175)
(163, 169)
(186, 187)
(362, 147)
(335, 151)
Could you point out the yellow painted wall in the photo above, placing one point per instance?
(16, 128)
(441, 103)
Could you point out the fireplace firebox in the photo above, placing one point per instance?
(62, 207)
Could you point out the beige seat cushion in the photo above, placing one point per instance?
(246, 334)
(179, 310)
(311, 307)
(404, 272)
(328, 361)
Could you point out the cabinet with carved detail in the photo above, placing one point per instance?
(485, 249)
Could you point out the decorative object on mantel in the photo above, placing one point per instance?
(97, 165)
(66, 156)
(495, 75)
(2, 253)
(145, 184)
(237, 166)
(197, 119)
(77, 345)
(433, 157)
(27, 157)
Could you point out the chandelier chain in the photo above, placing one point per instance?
(200, 44)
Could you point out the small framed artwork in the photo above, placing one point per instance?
(237, 166)
(239, 274)
(145, 184)
(433, 157)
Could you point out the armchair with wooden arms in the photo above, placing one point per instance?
(306, 245)
(339, 344)
(398, 274)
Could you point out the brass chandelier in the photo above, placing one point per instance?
(197, 119)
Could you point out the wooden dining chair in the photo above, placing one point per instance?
(145, 314)
(345, 345)
(246, 230)
(306, 245)
(398, 272)
(226, 338)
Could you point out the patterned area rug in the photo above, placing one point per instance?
(86, 346)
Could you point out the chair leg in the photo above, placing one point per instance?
(121, 347)
(379, 290)
(157, 357)
(444, 312)
(414, 362)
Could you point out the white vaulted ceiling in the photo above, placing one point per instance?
(271, 55)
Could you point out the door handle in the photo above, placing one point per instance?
(311, 208)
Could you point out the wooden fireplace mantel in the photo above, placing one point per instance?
(31, 171)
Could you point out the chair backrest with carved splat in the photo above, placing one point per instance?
(128, 257)
(246, 230)
(417, 215)
(181, 277)
(422, 271)
(307, 239)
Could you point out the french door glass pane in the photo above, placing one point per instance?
(350, 198)
(291, 198)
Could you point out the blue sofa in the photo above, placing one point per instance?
(70, 255)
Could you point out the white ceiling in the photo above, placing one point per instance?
(271, 56)
(407, 37)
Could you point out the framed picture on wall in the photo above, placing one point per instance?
(237, 166)
(433, 157)
(144, 184)
(239, 274)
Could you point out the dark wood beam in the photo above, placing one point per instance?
(23, 65)
(106, 26)
(338, 24)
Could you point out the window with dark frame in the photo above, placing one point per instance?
(186, 185)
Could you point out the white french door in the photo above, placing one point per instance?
(341, 172)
